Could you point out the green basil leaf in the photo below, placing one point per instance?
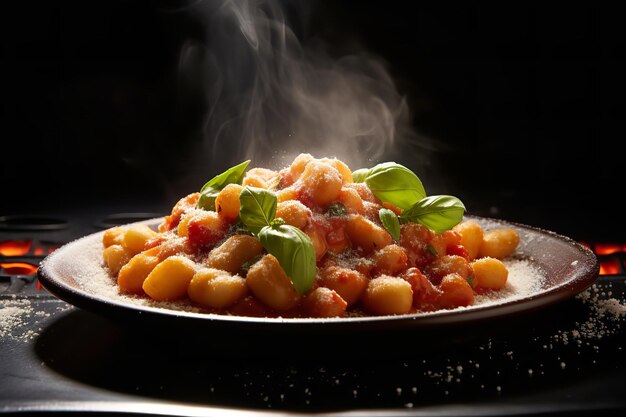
(395, 184)
(294, 251)
(437, 212)
(360, 174)
(278, 221)
(390, 222)
(430, 248)
(337, 209)
(238, 228)
(210, 190)
(257, 208)
(246, 265)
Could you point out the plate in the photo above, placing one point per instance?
(555, 268)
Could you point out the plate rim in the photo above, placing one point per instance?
(549, 296)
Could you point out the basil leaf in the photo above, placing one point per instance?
(278, 221)
(395, 184)
(390, 222)
(210, 190)
(432, 250)
(337, 209)
(437, 212)
(257, 208)
(360, 174)
(294, 251)
(238, 228)
(246, 265)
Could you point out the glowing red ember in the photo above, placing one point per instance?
(15, 247)
(46, 248)
(18, 268)
(609, 267)
(609, 248)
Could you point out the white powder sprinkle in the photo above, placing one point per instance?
(524, 279)
(15, 313)
(88, 270)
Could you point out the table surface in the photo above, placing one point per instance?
(562, 358)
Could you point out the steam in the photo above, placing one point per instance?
(270, 98)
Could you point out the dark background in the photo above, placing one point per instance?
(529, 100)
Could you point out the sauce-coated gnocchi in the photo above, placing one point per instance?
(207, 256)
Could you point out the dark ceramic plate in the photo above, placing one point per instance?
(567, 268)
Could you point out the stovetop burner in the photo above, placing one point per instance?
(119, 219)
(25, 240)
(559, 360)
(31, 222)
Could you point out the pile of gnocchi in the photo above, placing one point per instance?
(313, 239)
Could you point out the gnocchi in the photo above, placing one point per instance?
(206, 255)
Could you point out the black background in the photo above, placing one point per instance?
(529, 100)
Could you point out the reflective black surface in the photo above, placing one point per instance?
(551, 362)
(526, 99)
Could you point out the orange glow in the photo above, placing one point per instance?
(15, 247)
(18, 268)
(609, 267)
(585, 244)
(45, 249)
(52, 249)
(609, 248)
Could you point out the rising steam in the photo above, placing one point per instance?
(270, 98)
